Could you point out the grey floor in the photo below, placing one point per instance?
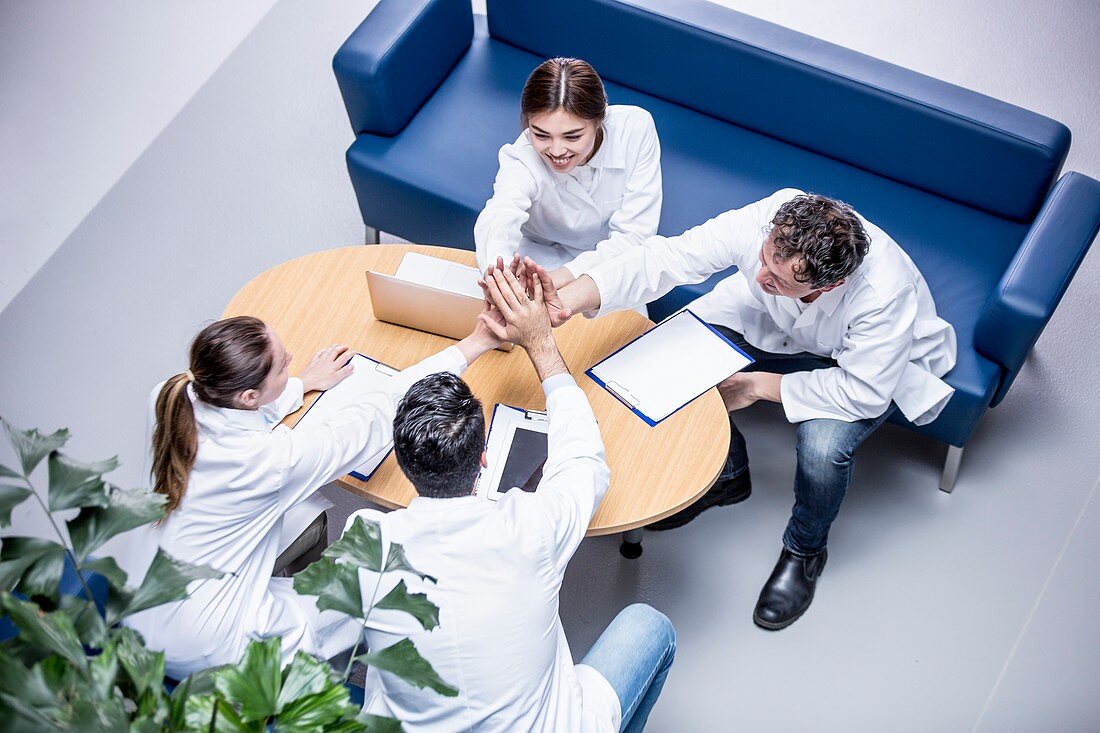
(975, 611)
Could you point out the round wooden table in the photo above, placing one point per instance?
(322, 299)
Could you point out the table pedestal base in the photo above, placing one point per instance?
(631, 548)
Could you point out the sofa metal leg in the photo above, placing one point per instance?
(373, 236)
(631, 548)
(951, 468)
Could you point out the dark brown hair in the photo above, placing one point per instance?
(562, 83)
(227, 358)
(824, 234)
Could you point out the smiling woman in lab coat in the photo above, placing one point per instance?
(581, 176)
(230, 479)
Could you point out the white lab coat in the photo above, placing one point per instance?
(245, 478)
(880, 326)
(499, 567)
(611, 203)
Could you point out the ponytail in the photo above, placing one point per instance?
(227, 358)
(175, 441)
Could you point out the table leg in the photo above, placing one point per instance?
(631, 548)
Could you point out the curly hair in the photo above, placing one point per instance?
(824, 234)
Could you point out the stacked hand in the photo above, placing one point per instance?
(527, 273)
(521, 313)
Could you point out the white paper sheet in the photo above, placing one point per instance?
(668, 366)
(369, 376)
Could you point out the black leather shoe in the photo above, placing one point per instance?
(789, 590)
(723, 493)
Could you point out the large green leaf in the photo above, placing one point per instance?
(360, 545)
(379, 724)
(75, 484)
(415, 604)
(52, 631)
(144, 667)
(10, 497)
(336, 586)
(198, 710)
(31, 446)
(19, 716)
(6, 472)
(33, 563)
(99, 716)
(108, 568)
(316, 713)
(403, 660)
(230, 721)
(125, 510)
(103, 673)
(254, 683)
(89, 625)
(304, 676)
(167, 581)
(396, 560)
(146, 723)
(29, 685)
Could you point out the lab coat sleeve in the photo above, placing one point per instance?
(640, 213)
(642, 274)
(497, 229)
(286, 403)
(872, 358)
(314, 456)
(575, 476)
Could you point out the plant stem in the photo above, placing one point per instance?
(370, 607)
(61, 537)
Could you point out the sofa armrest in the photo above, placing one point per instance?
(397, 57)
(1039, 275)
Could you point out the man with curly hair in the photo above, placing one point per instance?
(842, 327)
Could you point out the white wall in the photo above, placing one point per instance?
(84, 88)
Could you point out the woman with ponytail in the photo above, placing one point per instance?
(231, 474)
(581, 183)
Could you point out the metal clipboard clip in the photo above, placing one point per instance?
(623, 394)
(384, 369)
(535, 415)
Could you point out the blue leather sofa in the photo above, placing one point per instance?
(967, 184)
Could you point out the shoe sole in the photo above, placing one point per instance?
(776, 626)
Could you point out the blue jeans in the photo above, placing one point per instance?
(826, 450)
(634, 654)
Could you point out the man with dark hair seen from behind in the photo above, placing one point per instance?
(842, 327)
(499, 565)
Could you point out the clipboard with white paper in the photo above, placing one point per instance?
(668, 366)
(368, 376)
(515, 451)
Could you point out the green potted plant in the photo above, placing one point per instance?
(71, 666)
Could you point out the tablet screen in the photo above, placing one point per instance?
(526, 457)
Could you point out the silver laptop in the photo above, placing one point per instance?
(446, 306)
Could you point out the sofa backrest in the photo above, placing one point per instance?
(896, 123)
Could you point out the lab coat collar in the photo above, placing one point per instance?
(828, 302)
(609, 155)
(432, 505)
(217, 418)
